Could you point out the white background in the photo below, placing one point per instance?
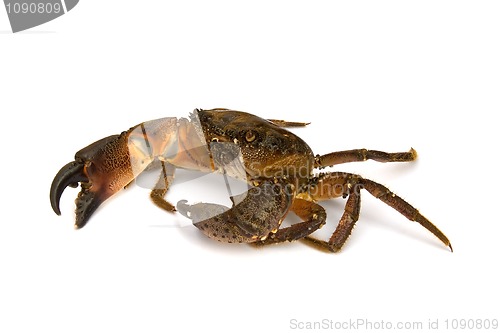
(385, 75)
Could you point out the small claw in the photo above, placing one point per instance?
(69, 175)
(200, 211)
(183, 208)
(253, 216)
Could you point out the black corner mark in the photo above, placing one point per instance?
(26, 14)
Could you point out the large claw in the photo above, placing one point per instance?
(102, 169)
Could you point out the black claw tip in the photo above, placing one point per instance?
(69, 175)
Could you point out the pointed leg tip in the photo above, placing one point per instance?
(413, 153)
(451, 248)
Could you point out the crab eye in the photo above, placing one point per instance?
(250, 136)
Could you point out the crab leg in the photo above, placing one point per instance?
(360, 155)
(285, 124)
(333, 185)
(160, 190)
(382, 193)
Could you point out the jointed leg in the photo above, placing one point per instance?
(404, 208)
(343, 184)
(161, 187)
(345, 226)
(284, 123)
(359, 155)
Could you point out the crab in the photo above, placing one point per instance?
(281, 171)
